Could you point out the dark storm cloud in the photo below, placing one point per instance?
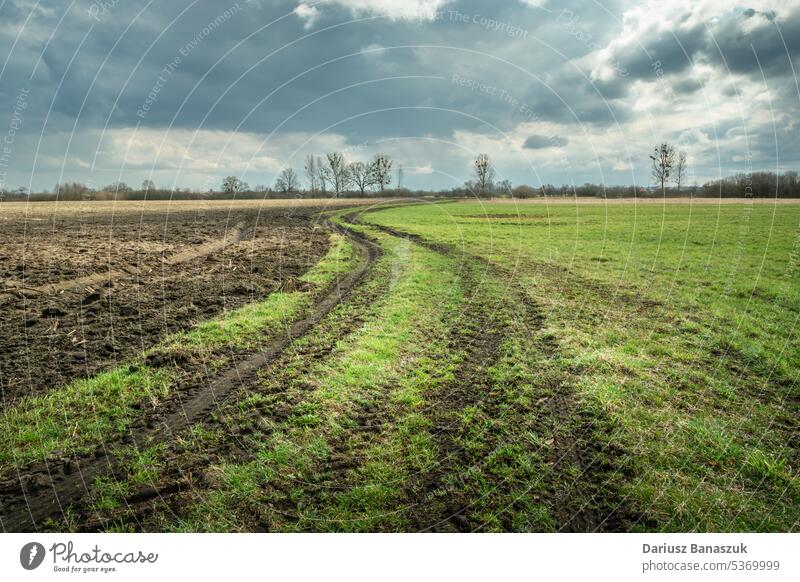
(537, 142)
(670, 50)
(745, 42)
(183, 64)
(686, 86)
(761, 49)
(220, 84)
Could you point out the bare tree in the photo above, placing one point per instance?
(148, 185)
(287, 181)
(322, 174)
(311, 173)
(484, 173)
(232, 185)
(117, 188)
(381, 168)
(663, 158)
(292, 180)
(71, 191)
(362, 176)
(337, 172)
(680, 169)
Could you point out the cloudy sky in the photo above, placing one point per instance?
(188, 91)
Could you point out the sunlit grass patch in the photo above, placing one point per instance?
(81, 415)
(339, 260)
(240, 327)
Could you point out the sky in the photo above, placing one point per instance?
(186, 92)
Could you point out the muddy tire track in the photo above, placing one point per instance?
(278, 384)
(437, 504)
(479, 339)
(587, 503)
(47, 489)
(212, 396)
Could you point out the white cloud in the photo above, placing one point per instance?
(424, 10)
(373, 50)
(425, 170)
(308, 14)
(393, 9)
(187, 157)
(187, 150)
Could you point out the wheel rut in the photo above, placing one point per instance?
(280, 384)
(437, 505)
(575, 473)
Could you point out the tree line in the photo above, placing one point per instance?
(333, 175)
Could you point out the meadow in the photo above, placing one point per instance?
(676, 328)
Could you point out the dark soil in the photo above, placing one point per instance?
(83, 294)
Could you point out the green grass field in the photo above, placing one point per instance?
(677, 327)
